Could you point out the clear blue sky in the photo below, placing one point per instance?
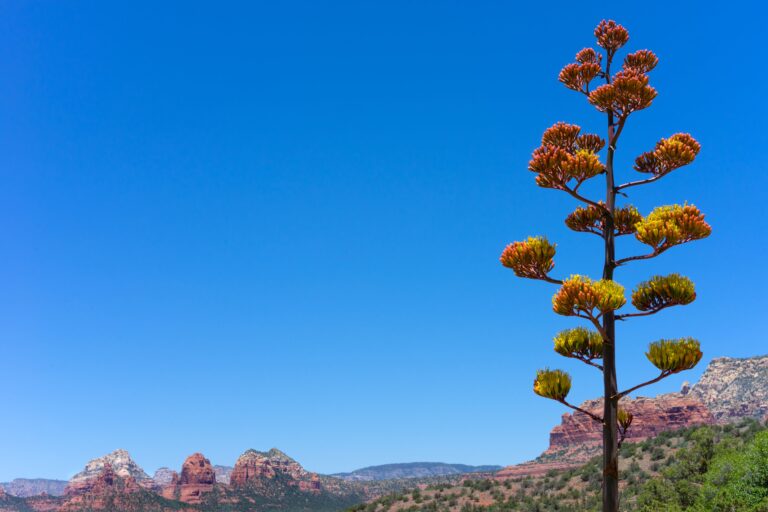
(228, 226)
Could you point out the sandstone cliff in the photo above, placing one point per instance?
(197, 479)
(119, 462)
(253, 465)
(651, 416)
(734, 388)
(578, 437)
(729, 389)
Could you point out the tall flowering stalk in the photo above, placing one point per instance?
(565, 160)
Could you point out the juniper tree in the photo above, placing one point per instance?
(568, 158)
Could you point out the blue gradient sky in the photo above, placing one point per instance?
(229, 226)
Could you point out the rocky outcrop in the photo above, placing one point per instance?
(164, 476)
(256, 469)
(197, 470)
(109, 492)
(578, 437)
(119, 462)
(734, 388)
(26, 487)
(651, 417)
(730, 389)
(196, 480)
(534, 468)
(98, 492)
(254, 465)
(223, 474)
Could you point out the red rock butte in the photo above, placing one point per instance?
(578, 437)
(197, 478)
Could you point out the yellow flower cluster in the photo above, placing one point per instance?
(663, 291)
(669, 154)
(674, 356)
(671, 225)
(624, 418)
(580, 294)
(580, 343)
(532, 258)
(554, 384)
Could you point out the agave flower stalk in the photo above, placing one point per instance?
(566, 159)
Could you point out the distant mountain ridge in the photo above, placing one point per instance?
(264, 481)
(412, 470)
(26, 487)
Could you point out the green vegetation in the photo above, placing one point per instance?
(278, 494)
(701, 469)
(721, 472)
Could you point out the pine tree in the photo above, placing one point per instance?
(566, 159)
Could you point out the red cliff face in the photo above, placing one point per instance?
(252, 466)
(579, 437)
(197, 478)
(311, 485)
(197, 470)
(105, 482)
(98, 493)
(651, 417)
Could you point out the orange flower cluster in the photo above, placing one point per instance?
(667, 226)
(578, 75)
(672, 153)
(532, 258)
(588, 56)
(591, 219)
(562, 135)
(642, 61)
(625, 220)
(611, 36)
(566, 155)
(590, 142)
(628, 92)
(663, 291)
(580, 295)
